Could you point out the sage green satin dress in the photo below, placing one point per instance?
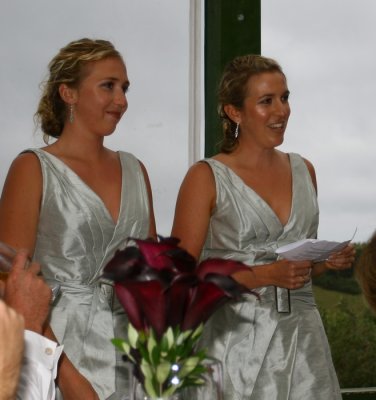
(266, 354)
(76, 238)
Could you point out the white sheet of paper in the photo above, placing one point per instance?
(310, 249)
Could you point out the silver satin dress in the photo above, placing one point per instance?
(266, 354)
(76, 238)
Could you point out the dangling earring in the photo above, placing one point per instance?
(71, 113)
(236, 134)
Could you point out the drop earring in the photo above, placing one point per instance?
(236, 134)
(71, 113)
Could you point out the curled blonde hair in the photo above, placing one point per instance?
(233, 90)
(365, 271)
(68, 67)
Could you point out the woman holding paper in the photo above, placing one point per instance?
(243, 204)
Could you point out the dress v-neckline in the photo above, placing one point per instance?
(259, 197)
(91, 190)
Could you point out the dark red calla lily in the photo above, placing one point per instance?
(229, 285)
(131, 306)
(159, 285)
(179, 294)
(155, 252)
(153, 300)
(123, 264)
(148, 303)
(206, 297)
(182, 260)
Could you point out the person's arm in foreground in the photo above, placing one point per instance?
(11, 350)
(30, 296)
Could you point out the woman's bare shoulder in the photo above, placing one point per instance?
(199, 174)
(27, 157)
(311, 170)
(25, 172)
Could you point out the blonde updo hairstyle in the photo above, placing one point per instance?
(233, 90)
(365, 271)
(69, 67)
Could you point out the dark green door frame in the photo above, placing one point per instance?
(232, 28)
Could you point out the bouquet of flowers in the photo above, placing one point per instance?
(167, 298)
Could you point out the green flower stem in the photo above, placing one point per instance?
(167, 364)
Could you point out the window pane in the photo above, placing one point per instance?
(326, 50)
(153, 37)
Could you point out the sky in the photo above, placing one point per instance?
(325, 48)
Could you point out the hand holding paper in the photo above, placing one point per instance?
(338, 255)
(311, 249)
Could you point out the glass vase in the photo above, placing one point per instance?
(212, 389)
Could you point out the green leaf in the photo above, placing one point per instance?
(151, 343)
(171, 390)
(188, 366)
(142, 336)
(132, 336)
(183, 336)
(198, 332)
(162, 372)
(149, 388)
(169, 337)
(123, 345)
(201, 354)
(144, 353)
(150, 383)
(146, 370)
(164, 344)
(118, 343)
(155, 355)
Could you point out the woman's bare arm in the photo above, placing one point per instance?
(20, 203)
(195, 202)
(152, 227)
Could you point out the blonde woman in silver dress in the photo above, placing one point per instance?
(73, 203)
(242, 204)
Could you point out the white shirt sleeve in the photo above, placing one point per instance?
(39, 368)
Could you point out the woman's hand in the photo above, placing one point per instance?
(342, 259)
(337, 261)
(291, 274)
(282, 273)
(12, 345)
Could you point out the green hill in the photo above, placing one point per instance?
(351, 331)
